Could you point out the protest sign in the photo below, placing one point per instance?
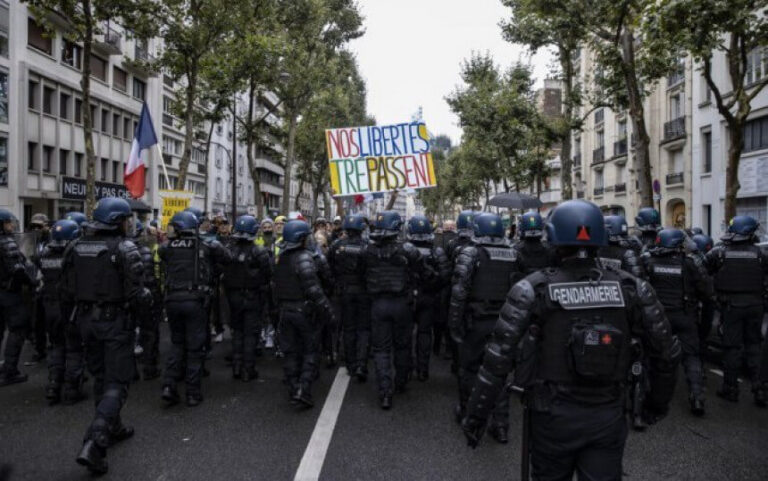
(174, 201)
(380, 158)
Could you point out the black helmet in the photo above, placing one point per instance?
(616, 227)
(294, 233)
(648, 219)
(387, 224)
(7, 216)
(64, 231)
(670, 238)
(184, 221)
(531, 225)
(576, 223)
(78, 217)
(246, 227)
(354, 222)
(743, 225)
(488, 224)
(420, 229)
(198, 213)
(703, 242)
(110, 212)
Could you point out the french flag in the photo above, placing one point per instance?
(144, 138)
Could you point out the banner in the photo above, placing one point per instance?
(73, 188)
(174, 201)
(372, 159)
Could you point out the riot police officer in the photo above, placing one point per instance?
(13, 314)
(575, 322)
(532, 251)
(427, 303)
(463, 236)
(77, 217)
(302, 305)
(345, 257)
(57, 308)
(73, 342)
(149, 326)
(681, 282)
(740, 271)
(485, 271)
(391, 266)
(704, 244)
(102, 273)
(648, 222)
(246, 282)
(619, 252)
(188, 262)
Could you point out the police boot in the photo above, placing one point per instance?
(361, 375)
(237, 370)
(53, 391)
(121, 433)
(249, 374)
(761, 397)
(385, 402)
(499, 433)
(72, 393)
(93, 457)
(638, 423)
(697, 405)
(330, 360)
(170, 395)
(194, 399)
(11, 376)
(729, 393)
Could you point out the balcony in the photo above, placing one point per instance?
(674, 129)
(167, 119)
(620, 188)
(676, 178)
(142, 62)
(598, 155)
(109, 43)
(598, 191)
(620, 147)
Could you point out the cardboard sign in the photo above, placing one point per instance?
(174, 201)
(376, 159)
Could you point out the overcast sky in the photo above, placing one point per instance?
(411, 53)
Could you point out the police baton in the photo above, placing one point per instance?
(525, 455)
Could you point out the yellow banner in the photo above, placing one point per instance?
(174, 201)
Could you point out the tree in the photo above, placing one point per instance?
(554, 24)
(735, 29)
(84, 21)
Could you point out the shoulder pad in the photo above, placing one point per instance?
(408, 247)
(524, 291)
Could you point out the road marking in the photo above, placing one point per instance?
(314, 455)
(720, 373)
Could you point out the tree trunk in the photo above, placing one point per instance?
(296, 205)
(327, 205)
(566, 162)
(249, 146)
(189, 126)
(732, 172)
(85, 85)
(289, 159)
(315, 208)
(637, 113)
(339, 207)
(207, 156)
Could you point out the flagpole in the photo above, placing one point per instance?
(165, 170)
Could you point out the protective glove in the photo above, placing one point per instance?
(473, 428)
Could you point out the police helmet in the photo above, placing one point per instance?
(464, 221)
(295, 232)
(78, 217)
(420, 229)
(670, 238)
(389, 220)
(616, 226)
(531, 224)
(648, 219)
(703, 242)
(246, 227)
(576, 223)
(488, 224)
(64, 231)
(198, 213)
(110, 212)
(7, 216)
(696, 230)
(184, 221)
(743, 225)
(354, 223)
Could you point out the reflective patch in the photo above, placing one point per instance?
(591, 338)
(729, 254)
(586, 295)
(90, 249)
(500, 254)
(182, 243)
(425, 251)
(608, 262)
(51, 262)
(668, 270)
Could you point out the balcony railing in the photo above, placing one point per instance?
(598, 155)
(620, 147)
(110, 43)
(141, 53)
(676, 178)
(620, 188)
(598, 190)
(674, 129)
(168, 119)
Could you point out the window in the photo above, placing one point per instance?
(599, 179)
(757, 65)
(167, 105)
(219, 156)
(676, 162)
(219, 129)
(78, 111)
(94, 119)
(622, 128)
(99, 68)
(177, 147)
(600, 138)
(167, 145)
(115, 169)
(706, 214)
(105, 121)
(48, 94)
(3, 97)
(127, 132)
(64, 105)
(706, 152)
(78, 165)
(116, 124)
(72, 54)
(621, 173)
(219, 188)
(4, 35)
(119, 79)
(31, 156)
(63, 161)
(47, 158)
(706, 93)
(756, 134)
(139, 89)
(37, 38)
(104, 167)
(34, 95)
(675, 106)
(3, 161)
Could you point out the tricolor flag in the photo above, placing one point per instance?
(144, 138)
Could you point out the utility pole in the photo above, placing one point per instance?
(234, 159)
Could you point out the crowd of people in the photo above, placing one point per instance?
(586, 319)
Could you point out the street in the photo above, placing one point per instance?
(249, 431)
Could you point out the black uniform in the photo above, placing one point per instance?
(575, 323)
(345, 258)
(483, 275)
(390, 269)
(189, 265)
(740, 272)
(622, 254)
(532, 254)
(13, 313)
(149, 325)
(681, 282)
(103, 275)
(328, 326)
(428, 302)
(302, 302)
(246, 281)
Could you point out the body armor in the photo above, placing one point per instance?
(97, 276)
(346, 257)
(244, 272)
(387, 268)
(287, 282)
(667, 275)
(51, 263)
(11, 261)
(179, 257)
(495, 268)
(741, 271)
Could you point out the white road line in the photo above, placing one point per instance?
(720, 373)
(314, 455)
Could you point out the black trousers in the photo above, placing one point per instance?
(687, 331)
(108, 336)
(40, 330)
(742, 340)
(587, 440)
(245, 320)
(149, 332)
(56, 320)
(391, 330)
(13, 316)
(356, 325)
(188, 320)
(425, 312)
(471, 353)
(299, 341)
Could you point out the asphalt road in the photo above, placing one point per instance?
(250, 432)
